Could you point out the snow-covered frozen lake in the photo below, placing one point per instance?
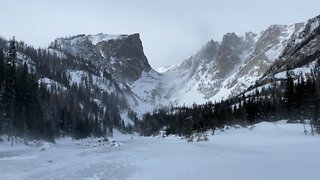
(270, 151)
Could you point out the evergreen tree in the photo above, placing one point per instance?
(289, 97)
(2, 104)
(316, 116)
(9, 90)
(12, 53)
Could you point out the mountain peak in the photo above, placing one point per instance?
(209, 51)
(97, 38)
(121, 55)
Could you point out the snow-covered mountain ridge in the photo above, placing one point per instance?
(120, 55)
(227, 68)
(301, 52)
(221, 70)
(116, 64)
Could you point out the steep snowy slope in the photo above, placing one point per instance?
(300, 55)
(117, 65)
(268, 48)
(200, 77)
(220, 70)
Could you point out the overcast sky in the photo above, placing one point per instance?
(171, 30)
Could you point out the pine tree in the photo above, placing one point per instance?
(289, 96)
(9, 88)
(316, 114)
(12, 53)
(2, 104)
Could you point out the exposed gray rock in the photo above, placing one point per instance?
(229, 53)
(301, 50)
(218, 70)
(121, 55)
(228, 68)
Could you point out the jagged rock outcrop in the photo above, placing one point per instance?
(229, 54)
(120, 55)
(301, 50)
(269, 45)
(217, 71)
(116, 58)
(236, 63)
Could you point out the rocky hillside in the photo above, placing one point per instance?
(223, 69)
(117, 57)
(116, 65)
(120, 55)
(300, 54)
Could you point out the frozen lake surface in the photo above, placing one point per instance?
(269, 151)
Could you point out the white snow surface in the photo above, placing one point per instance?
(164, 69)
(49, 83)
(146, 89)
(95, 39)
(79, 77)
(266, 151)
(274, 52)
(304, 71)
(60, 54)
(314, 24)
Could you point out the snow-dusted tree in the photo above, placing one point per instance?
(316, 120)
(12, 53)
(10, 86)
(2, 78)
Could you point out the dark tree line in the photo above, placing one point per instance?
(31, 109)
(19, 101)
(295, 99)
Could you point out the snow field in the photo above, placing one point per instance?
(267, 151)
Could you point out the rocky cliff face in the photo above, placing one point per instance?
(120, 55)
(301, 51)
(114, 64)
(232, 66)
(217, 71)
(201, 76)
(230, 54)
(268, 47)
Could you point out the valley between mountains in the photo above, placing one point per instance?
(217, 71)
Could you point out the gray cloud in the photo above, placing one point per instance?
(170, 30)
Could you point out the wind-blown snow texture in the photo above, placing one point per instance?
(268, 151)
